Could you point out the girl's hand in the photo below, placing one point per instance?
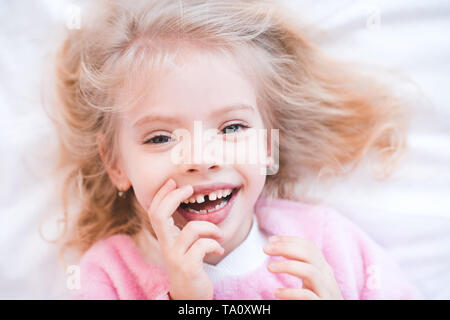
(307, 262)
(183, 251)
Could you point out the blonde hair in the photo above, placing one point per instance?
(329, 115)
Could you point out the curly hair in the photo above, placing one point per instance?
(330, 116)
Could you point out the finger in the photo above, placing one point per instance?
(295, 294)
(200, 248)
(310, 275)
(162, 192)
(162, 221)
(195, 230)
(297, 249)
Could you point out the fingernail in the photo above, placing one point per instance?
(268, 247)
(273, 239)
(170, 182)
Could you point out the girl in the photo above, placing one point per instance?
(135, 75)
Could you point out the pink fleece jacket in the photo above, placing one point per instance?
(115, 269)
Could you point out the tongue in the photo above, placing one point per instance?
(208, 204)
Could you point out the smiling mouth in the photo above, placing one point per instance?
(208, 205)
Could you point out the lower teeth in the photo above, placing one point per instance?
(219, 206)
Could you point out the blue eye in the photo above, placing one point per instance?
(158, 140)
(233, 126)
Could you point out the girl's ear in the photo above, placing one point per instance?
(115, 171)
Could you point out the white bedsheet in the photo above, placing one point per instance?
(408, 215)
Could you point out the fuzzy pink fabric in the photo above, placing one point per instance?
(114, 268)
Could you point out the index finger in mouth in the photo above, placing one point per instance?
(162, 221)
(162, 192)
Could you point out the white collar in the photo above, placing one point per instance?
(245, 258)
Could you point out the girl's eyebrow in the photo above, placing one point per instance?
(230, 108)
(154, 118)
(162, 118)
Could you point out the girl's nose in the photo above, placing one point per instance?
(199, 167)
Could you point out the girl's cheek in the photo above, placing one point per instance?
(149, 174)
(254, 178)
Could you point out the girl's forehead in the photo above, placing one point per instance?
(201, 84)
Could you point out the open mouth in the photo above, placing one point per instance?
(210, 203)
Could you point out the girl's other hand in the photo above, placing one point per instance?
(305, 261)
(183, 251)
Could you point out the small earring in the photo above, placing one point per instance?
(121, 193)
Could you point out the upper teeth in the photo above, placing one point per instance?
(199, 198)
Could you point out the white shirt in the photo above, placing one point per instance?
(245, 258)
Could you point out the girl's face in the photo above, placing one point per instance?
(211, 91)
